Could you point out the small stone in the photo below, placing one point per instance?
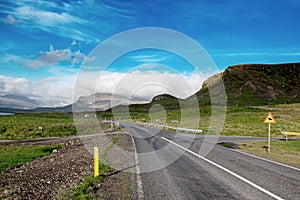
(54, 151)
(48, 182)
(6, 192)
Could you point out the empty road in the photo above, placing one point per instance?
(221, 174)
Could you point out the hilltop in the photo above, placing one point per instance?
(255, 84)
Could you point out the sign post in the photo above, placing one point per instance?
(269, 120)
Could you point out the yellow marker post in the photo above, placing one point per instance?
(96, 162)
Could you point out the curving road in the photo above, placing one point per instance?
(221, 174)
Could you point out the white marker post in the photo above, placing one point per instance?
(269, 120)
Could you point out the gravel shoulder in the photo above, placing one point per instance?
(49, 176)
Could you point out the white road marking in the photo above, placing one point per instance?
(226, 170)
(139, 183)
(271, 161)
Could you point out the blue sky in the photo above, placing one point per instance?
(43, 43)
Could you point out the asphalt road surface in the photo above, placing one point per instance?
(184, 166)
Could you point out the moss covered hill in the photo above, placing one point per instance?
(255, 84)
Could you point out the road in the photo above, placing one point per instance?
(221, 174)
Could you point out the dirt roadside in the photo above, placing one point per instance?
(47, 177)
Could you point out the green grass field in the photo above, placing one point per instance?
(20, 126)
(11, 155)
(26, 126)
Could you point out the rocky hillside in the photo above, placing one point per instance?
(255, 84)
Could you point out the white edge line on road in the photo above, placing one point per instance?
(264, 159)
(139, 183)
(226, 170)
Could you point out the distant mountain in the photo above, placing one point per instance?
(255, 84)
(17, 102)
(104, 101)
(98, 102)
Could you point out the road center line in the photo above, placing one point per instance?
(226, 170)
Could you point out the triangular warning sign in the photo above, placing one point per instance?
(270, 119)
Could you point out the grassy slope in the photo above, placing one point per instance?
(255, 84)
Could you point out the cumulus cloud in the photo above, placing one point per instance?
(144, 84)
(58, 90)
(11, 20)
(53, 57)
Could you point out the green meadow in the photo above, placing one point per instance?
(20, 126)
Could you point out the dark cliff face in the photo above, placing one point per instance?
(255, 84)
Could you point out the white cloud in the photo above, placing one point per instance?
(51, 17)
(44, 17)
(73, 43)
(52, 57)
(149, 58)
(11, 20)
(58, 90)
(138, 83)
(52, 91)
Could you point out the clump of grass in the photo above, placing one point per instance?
(87, 188)
(11, 155)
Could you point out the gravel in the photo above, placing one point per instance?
(46, 177)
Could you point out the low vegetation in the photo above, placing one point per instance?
(14, 154)
(40, 125)
(20, 126)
